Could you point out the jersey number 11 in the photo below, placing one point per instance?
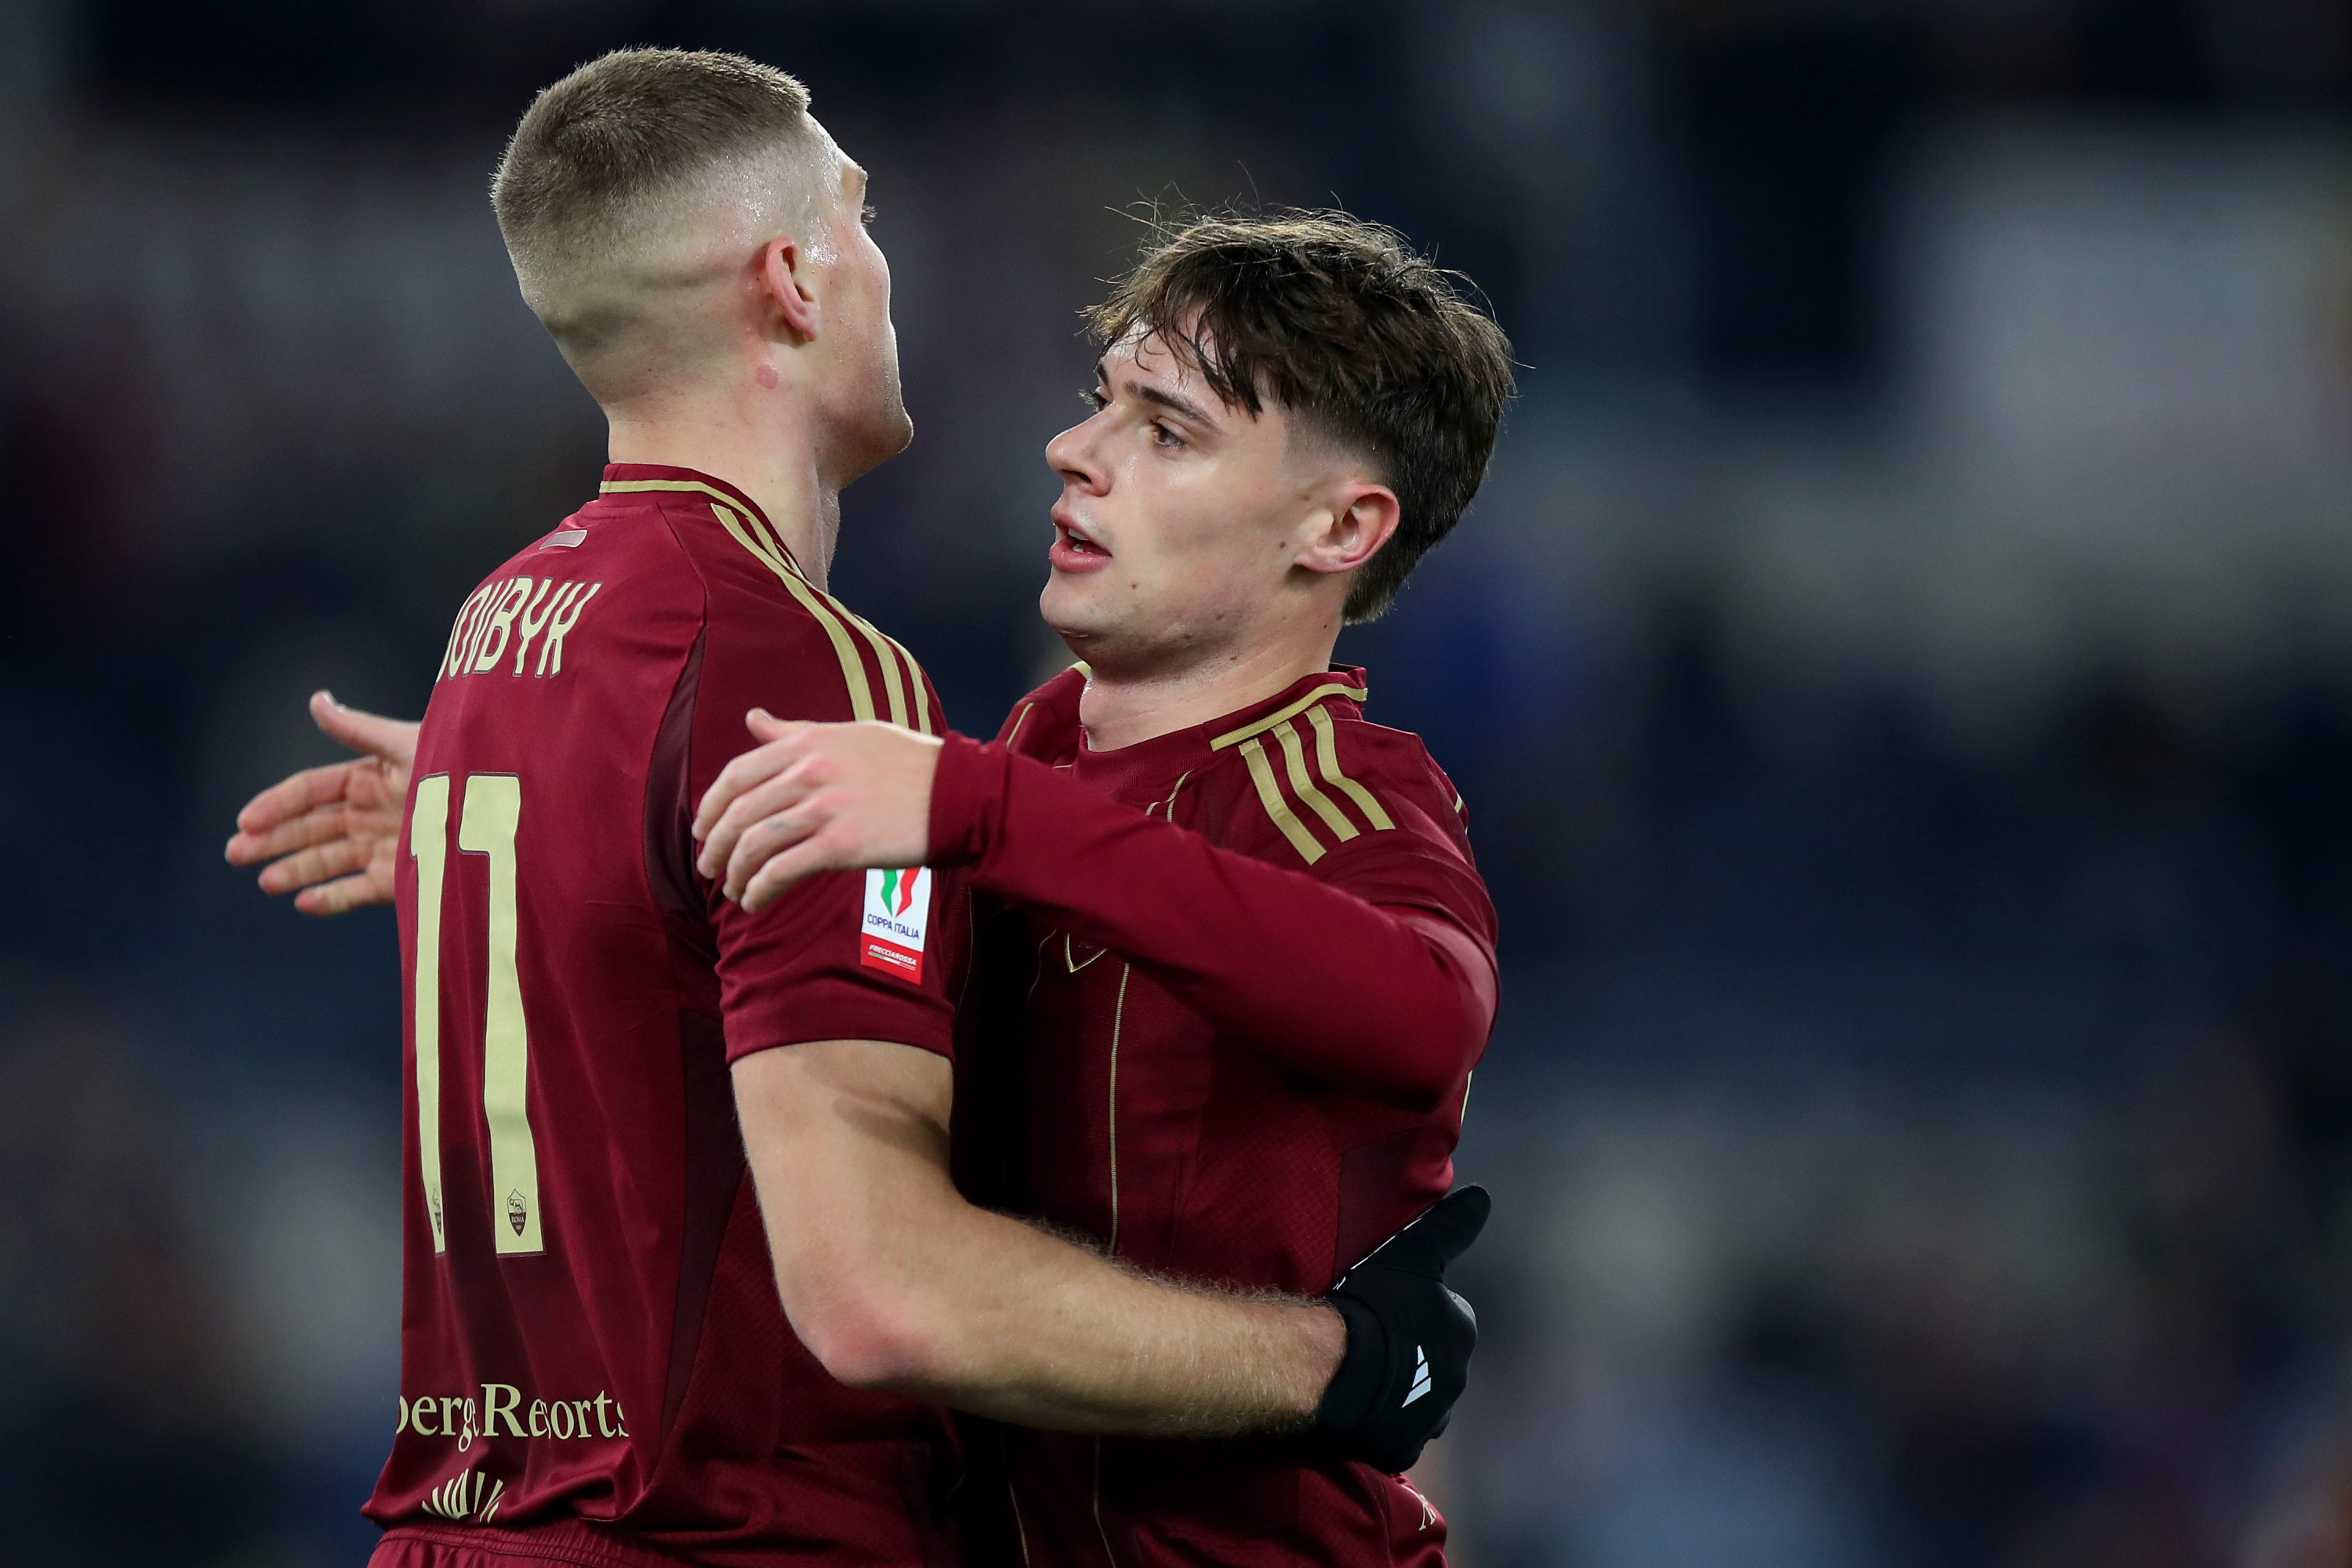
(493, 810)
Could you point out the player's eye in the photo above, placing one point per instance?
(1165, 438)
(865, 215)
(1092, 396)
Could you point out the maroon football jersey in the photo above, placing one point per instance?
(1238, 1053)
(594, 1363)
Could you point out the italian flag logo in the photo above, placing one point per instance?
(896, 919)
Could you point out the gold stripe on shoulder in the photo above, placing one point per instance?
(1262, 775)
(852, 668)
(1018, 720)
(891, 683)
(1289, 711)
(771, 547)
(1326, 758)
(1166, 808)
(691, 487)
(875, 637)
(920, 698)
(1294, 759)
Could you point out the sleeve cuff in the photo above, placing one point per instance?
(967, 800)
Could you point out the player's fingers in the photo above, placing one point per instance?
(306, 866)
(320, 825)
(1446, 1230)
(745, 772)
(760, 841)
(778, 874)
(763, 840)
(767, 726)
(291, 797)
(342, 895)
(316, 826)
(754, 805)
(394, 740)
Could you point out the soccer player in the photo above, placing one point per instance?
(1242, 965)
(611, 1353)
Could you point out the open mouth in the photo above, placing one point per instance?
(1074, 547)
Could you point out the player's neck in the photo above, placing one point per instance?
(1124, 707)
(780, 476)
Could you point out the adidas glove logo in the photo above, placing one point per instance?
(1420, 1376)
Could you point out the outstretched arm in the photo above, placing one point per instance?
(895, 1282)
(1346, 979)
(329, 833)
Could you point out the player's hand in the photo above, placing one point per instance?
(332, 832)
(1409, 1338)
(815, 797)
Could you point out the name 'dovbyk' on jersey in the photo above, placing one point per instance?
(510, 614)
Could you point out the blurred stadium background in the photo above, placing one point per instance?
(1900, 668)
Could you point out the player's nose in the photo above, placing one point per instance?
(1071, 455)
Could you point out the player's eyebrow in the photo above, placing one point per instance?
(1185, 406)
(1168, 400)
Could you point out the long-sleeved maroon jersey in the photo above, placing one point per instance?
(594, 1364)
(1232, 982)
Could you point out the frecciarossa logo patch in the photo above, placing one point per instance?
(897, 916)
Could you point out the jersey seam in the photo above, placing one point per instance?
(694, 713)
(675, 1391)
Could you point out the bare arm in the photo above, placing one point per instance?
(895, 1282)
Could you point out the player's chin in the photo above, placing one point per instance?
(1067, 605)
(881, 440)
(1108, 642)
(891, 432)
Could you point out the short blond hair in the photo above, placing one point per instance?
(596, 151)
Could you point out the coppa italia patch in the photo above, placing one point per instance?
(897, 914)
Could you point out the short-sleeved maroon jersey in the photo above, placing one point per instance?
(594, 1363)
(1236, 1053)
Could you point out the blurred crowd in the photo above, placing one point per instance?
(1899, 672)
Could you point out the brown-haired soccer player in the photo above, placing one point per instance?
(611, 1354)
(1226, 1026)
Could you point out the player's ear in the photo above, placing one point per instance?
(1361, 518)
(790, 303)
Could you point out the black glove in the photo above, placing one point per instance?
(1409, 1338)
